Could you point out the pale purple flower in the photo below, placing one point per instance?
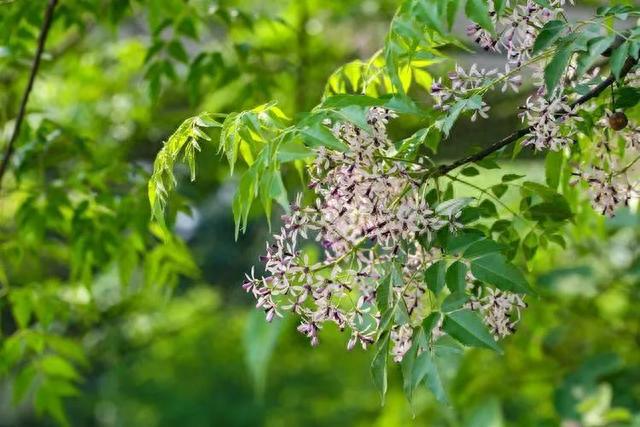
(401, 340)
(364, 212)
(500, 310)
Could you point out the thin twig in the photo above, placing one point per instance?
(626, 168)
(42, 38)
(400, 160)
(445, 169)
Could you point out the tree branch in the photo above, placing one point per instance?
(42, 38)
(444, 169)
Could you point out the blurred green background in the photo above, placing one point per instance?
(119, 77)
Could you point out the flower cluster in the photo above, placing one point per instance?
(632, 138)
(515, 31)
(608, 191)
(515, 34)
(368, 212)
(462, 83)
(497, 309)
(401, 339)
(365, 209)
(546, 118)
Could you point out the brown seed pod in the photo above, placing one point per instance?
(618, 121)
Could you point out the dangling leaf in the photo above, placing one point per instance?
(494, 269)
(467, 327)
(379, 365)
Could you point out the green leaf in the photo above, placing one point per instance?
(319, 135)
(277, 191)
(499, 6)
(432, 374)
(554, 206)
(469, 215)
(176, 50)
(543, 3)
(452, 10)
(396, 275)
(383, 293)
(634, 49)
(153, 50)
(154, 77)
(68, 348)
(419, 368)
(487, 413)
(432, 138)
(467, 327)
(379, 365)
(511, 177)
(429, 137)
(346, 100)
(495, 270)
(271, 188)
(434, 276)
(293, 149)
(550, 211)
(478, 12)
(187, 27)
(470, 171)
(402, 316)
(245, 195)
(553, 168)
(21, 306)
(530, 245)
(460, 106)
(554, 70)
(618, 58)
(184, 141)
(559, 240)
(429, 323)
(551, 31)
(595, 48)
(354, 114)
(458, 243)
(427, 13)
(57, 366)
(488, 208)
(48, 400)
(260, 338)
(403, 104)
(627, 97)
(410, 378)
(499, 190)
(455, 278)
(481, 248)
(386, 319)
(22, 383)
(454, 302)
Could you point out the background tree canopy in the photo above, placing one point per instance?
(149, 149)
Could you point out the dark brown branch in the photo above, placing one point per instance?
(444, 169)
(42, 38)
